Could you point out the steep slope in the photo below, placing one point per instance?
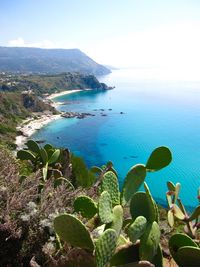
(37, 60)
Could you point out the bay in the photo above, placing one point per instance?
(140, 114)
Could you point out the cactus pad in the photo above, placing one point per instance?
(139, 206)
(153, 209)
(149, 242)
(105, 207)
(159, 158)
(133, 181)
(33, 146)
(137, 228)
(86, 206)
(54, 157)
(126, 254)
(73, 231)
(117, 221)
(158, 258)
(25, 155)
(105, 247)
(189, 256)
(111, 185)
(177, 241)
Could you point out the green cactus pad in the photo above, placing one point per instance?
(105, 207)
(117, 221)
(111, 185)
(149, 242)
(43, 155)
(153, 209)
(54, 157)
(73, 231)
(105, 247)
(141, 206)
(125, 254)
(25, 155)
(86, 206)
(133, 181)
(159, 158)
(137, 228)
(158, 258)
(33, 146)
(189, 256)
(177, 241)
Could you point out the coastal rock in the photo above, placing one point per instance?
(69, 115)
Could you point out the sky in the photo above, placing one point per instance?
(120, 33)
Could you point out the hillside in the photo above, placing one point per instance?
(37, 60)
(15, 107)
(49, 83)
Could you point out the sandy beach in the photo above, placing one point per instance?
(30, 125)
(52, 96)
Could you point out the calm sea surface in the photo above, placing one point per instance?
(155, 113)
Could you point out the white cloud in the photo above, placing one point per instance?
(42, 44)
(172, 45)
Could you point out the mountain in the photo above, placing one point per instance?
(38, 60)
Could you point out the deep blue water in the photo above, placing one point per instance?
(156, 113)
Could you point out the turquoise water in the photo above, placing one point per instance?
(156, 112)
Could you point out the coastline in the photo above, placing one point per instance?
(32, 124)
(54, 95)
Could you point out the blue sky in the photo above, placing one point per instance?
(129, 33)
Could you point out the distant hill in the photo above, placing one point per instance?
(37, 60)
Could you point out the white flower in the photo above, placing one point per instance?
(25, 217)
(31, 205)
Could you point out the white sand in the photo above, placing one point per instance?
(28, 127)
(62, 93)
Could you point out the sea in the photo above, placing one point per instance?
(145, 110)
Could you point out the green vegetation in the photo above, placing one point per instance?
(71, 223)
(15, 107)
(49, 83)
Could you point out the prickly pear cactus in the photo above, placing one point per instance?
(176, 242)
(86, 206)
(26, 155)
(158, 258)
(159, 158)
(117, 221)
(149, 242)
(139, 206)
(73, 231)
(137, 228)
(111, 185)
(188, 256)
(153, 209)
(54, 157)
(105, 207)
(125, 255)
(33, 146)
(133, 181)
(105, 247)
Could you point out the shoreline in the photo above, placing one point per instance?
(54, 95)
(29, 126)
